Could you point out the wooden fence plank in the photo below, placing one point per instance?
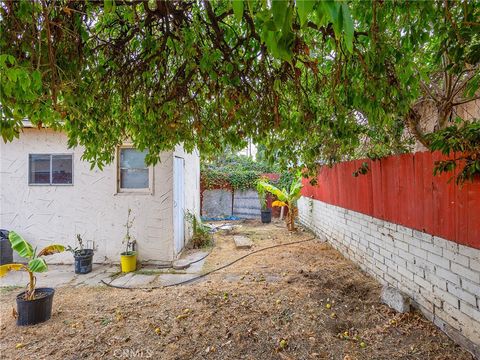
(402, 189)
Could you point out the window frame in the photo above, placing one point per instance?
(50, 183)
(118, 188)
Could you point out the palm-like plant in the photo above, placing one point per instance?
(36, 263)
(286, 198)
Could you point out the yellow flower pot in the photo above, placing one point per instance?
(128, 261)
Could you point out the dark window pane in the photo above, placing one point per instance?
(134, 178)
(62, 169)
(39, 169)
(132, 158)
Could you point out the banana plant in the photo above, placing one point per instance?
(35, 264)
(286, 198)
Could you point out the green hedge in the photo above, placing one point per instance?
(237, 172)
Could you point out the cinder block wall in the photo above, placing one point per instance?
(246, 204)
(441, 276)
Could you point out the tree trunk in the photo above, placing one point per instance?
(291, 218)
(413, 122)
(31, 287)
(444, 115)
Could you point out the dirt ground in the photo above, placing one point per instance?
(302, 301)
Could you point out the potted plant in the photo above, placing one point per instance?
(286, 198)
(6, 252)
(128, 258)
(83, 257)
(35, 304)
(266, 213)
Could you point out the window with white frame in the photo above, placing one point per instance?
(50, 169)
(133, 174)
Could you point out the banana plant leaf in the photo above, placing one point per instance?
(37, 265)
(52, 249)
(274, 190)
(20, 245)
(5, 269)
(279, 203)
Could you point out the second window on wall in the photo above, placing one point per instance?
(134, 175)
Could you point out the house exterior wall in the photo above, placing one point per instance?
(91, 206)
(441, 276)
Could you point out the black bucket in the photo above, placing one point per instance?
(83, 261)
(6, 252)
(31, 312)
(266, 216)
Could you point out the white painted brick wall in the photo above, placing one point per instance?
(441, 277)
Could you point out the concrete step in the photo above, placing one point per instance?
(242, 242)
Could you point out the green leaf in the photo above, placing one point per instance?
(238, 6)
(109, 5)
(250, 6)
(37, 265)
(279, 11)
(304, 8)
(348, 27)
(285, 45)
(20, 245)
(277, 84)
(12, 74)
(323, 14)
(274, 190)
(4, 58)
(295, 190)
(37, 79)
(330, 11)
(271, 42)
(24, 81)
(337, 19)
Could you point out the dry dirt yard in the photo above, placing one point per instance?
(302, 301)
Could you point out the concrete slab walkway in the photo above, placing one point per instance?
(64, 275)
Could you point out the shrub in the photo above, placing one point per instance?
(201, 234)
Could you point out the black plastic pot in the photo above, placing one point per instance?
(31, 312)
(83, 261)
(267, 216)
(6, 252)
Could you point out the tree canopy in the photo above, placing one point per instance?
(312, 80)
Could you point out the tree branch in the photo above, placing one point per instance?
(465, 101)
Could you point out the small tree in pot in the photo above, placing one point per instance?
(83, 257)
(35, 304)
(128, 258)
(266, 213)
(286, 198)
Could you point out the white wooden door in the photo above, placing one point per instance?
(179, 203)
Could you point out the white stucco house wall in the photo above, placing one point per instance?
(48, 194)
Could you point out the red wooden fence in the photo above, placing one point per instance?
(402, 189)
